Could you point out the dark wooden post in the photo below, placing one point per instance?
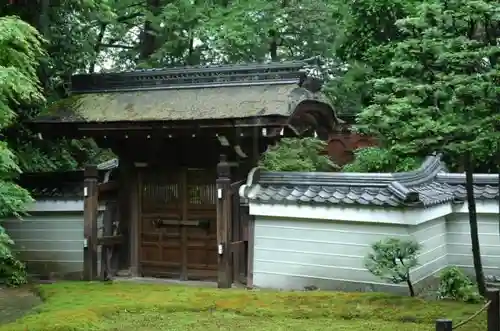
(493, 295)
(444, 325)
(90, 207)
(224, 274)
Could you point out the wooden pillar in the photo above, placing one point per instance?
(493, 295)
(224, 195)
(444, 325)
(90, 206)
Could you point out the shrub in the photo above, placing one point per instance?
(12, 271)
(455, 285)
(392, 259)
(294, 154)
(378, 159)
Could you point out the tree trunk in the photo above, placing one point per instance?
(498, 184)
(148, 36)
(410, 285)
(97, 47)
(43, 26)
(471, 201)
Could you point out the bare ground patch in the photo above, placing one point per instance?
(15, 303)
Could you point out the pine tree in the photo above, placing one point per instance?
(441, 91)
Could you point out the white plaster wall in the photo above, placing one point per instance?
(459, 242)
(50, 238)
(432, 258)
(294, 252)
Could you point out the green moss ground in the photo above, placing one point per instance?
(72, 306)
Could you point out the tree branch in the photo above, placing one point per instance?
(97, 46)
(124, 18)
(117, 46)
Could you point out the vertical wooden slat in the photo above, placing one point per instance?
(243, 219)
(237, 249)
(139, 190)
(124, 214)
(251, 240)
(184, 217)
(90, 207)
(134, 222)
(107, 225)
(224, 274)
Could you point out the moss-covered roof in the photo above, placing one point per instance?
(174, 104)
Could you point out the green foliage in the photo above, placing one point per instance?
(12, 271)
(126, 34)
(293, 154)
(438, 90)
(349, 89)
(392, 259)
(60, 155)
(454, 284)
(123, 306)
(378, 159)
(367, 24)
(20, 50)
(415, 70)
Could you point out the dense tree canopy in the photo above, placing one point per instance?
(20, 51)
(375, 58)
(421, 76)
(439, 91)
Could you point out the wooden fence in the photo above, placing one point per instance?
(492, 307)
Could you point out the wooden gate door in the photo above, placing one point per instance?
(178, 224)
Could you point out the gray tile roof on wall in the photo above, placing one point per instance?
(67, 190)
(429, 185)
(486, 185)
(61, 185)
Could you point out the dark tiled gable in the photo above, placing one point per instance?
(429, 185)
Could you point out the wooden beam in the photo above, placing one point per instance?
(224, 196)
(166, 124)
(108, 186)
(90, 206)
(110, 240)
(156, 129)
